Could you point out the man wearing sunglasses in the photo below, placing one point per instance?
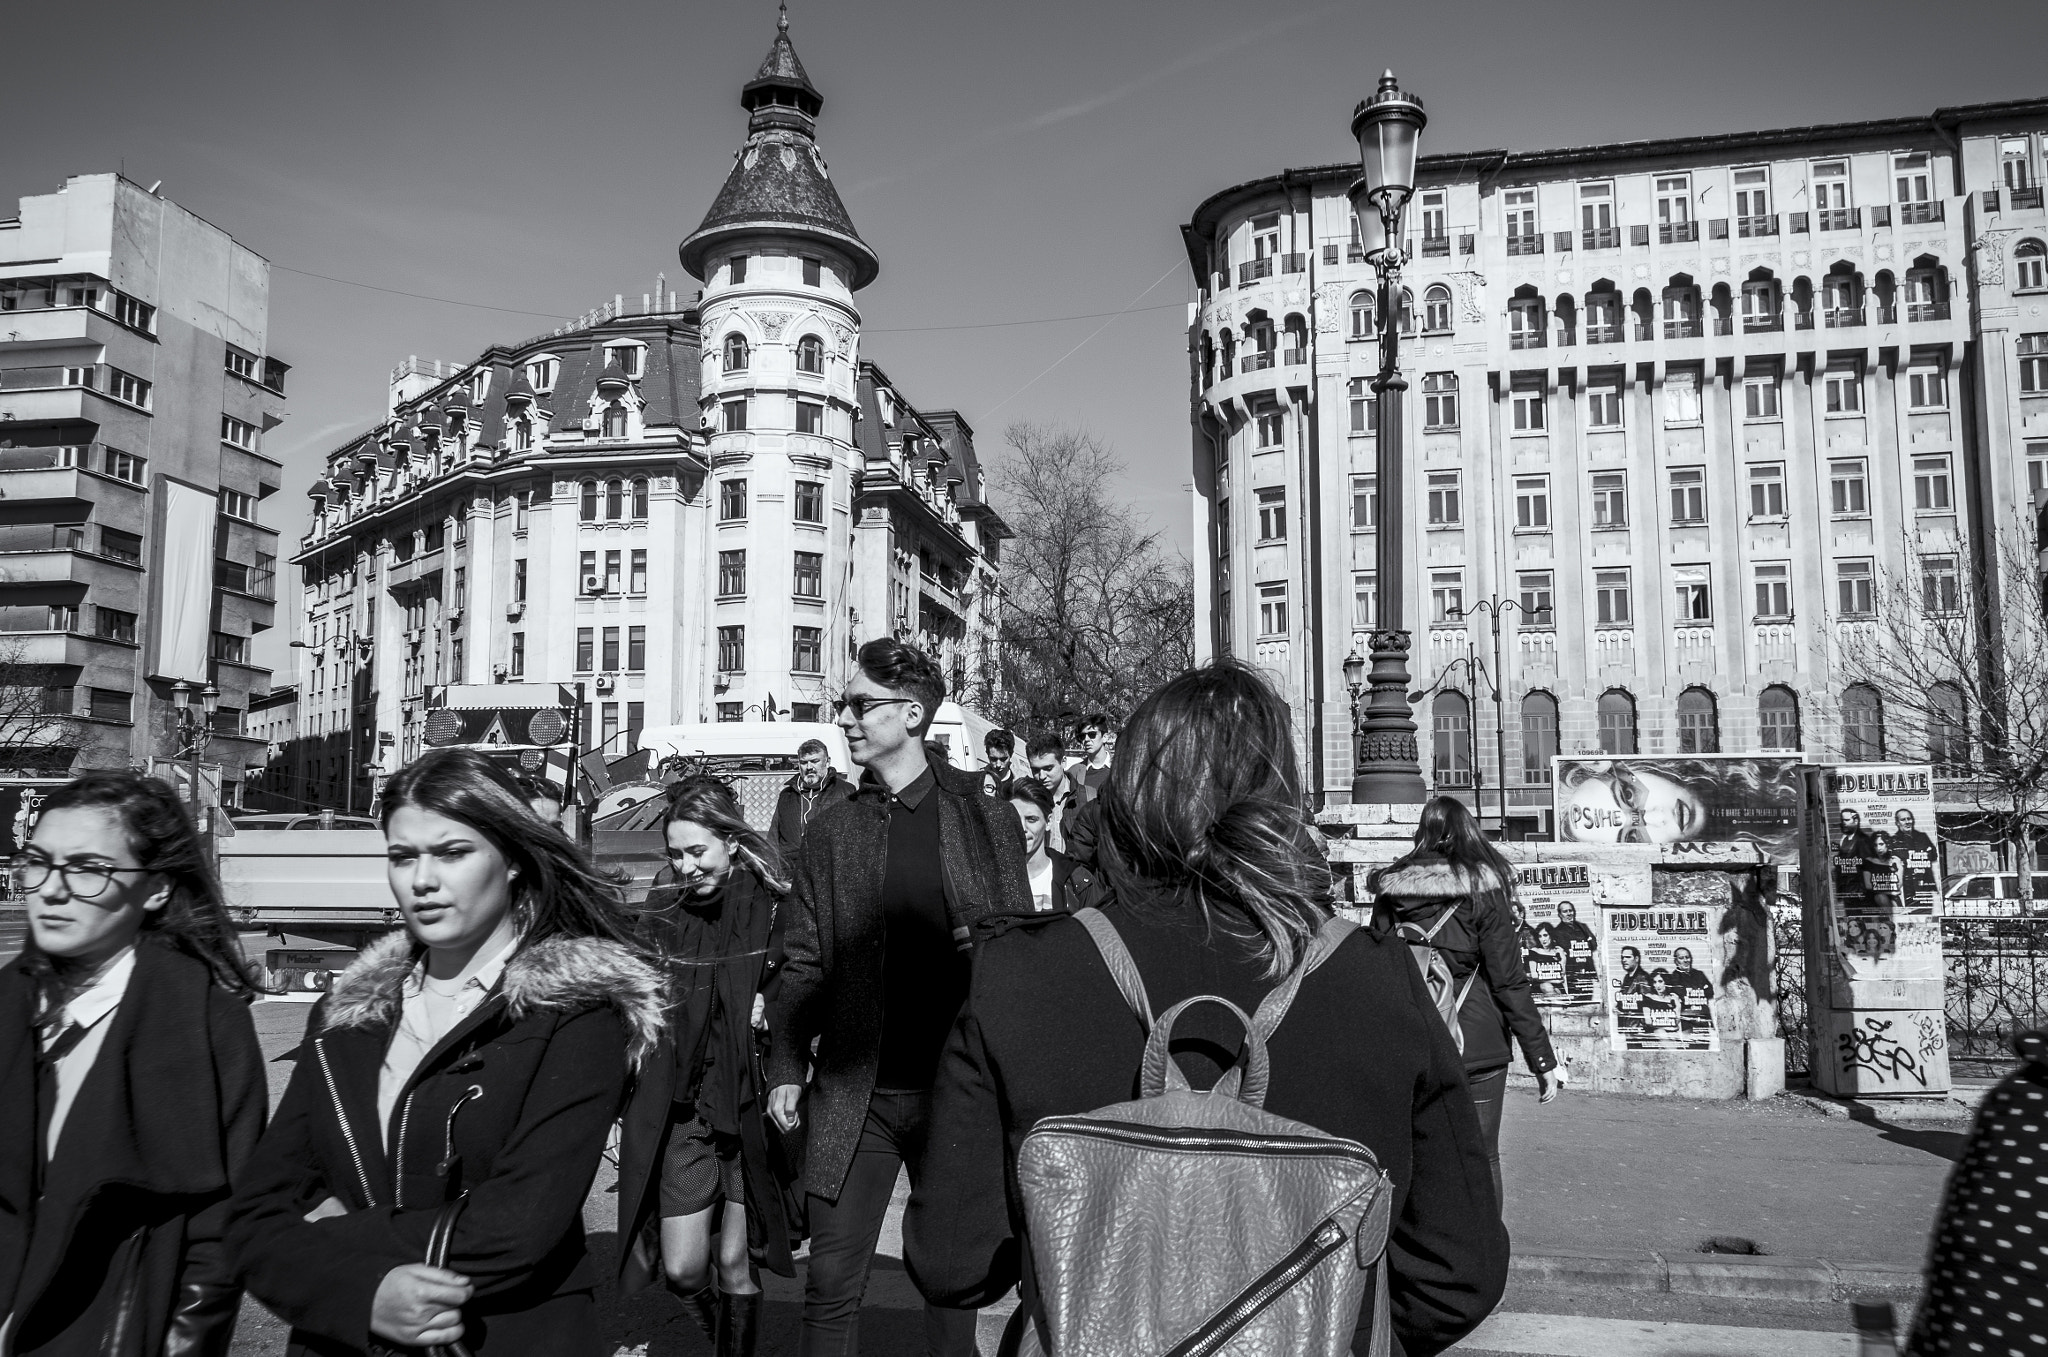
(889, 887)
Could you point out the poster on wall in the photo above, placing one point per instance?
(1659, 996)
(1674, 801)
(1556, 920)
(1884, 882)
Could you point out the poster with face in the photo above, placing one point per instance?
(1884, 880)
(1672, 801)
(1659, 994)
(1557, 922)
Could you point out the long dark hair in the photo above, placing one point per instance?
(557, 891)
(708, 801)
(1204, 804)
(1448, 831)
(194, 920)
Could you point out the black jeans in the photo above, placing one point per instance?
(1488, 1088)
(843, 1235)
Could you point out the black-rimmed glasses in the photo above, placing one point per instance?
(861, 706)
(87, 881)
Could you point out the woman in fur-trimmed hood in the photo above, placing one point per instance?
(462, 1076)
(1454, 878)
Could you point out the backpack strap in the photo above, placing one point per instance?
(1122, 967)
(1273, 1008)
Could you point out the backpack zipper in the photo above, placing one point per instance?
(1128, 1134)
(348, 1134)
(1241, 1309)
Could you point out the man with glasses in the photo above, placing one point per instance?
(889, 887)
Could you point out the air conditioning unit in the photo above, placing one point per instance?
(515, 611)
(500, 672)
(593, 584)
(606, 682)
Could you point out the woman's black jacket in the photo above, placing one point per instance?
(512, 1108)
(122, 1254)
(1046, 1033)
(1418, 889)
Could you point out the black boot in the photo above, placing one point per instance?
(739, 1324)
(702, 1305)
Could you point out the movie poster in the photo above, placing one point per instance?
(1884, 871)
(1556, 919)
(1695, 799)
(1659, 997)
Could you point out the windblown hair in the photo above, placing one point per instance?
(557, 892)
(1204, 803)
(1448, 831)
(709, 802)
(194, 920)
(907, 670)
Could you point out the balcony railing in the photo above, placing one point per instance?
(1917, 311)
(1436, 246)
(46, 459)
(20, 617)
(1840, 218)
(1603, 334)
(1600, 238)
(1881, 215)
(1294, 263)
(1757, 226)
(1845, 318)
(1760, 324)
(1254, 269)
(1561, 241)
(1526, 339)
(240, 578)
(1294, 357)
(1803, 320)
(1911, 213)
(1717, 228)
(1724, 325)
(1681, 329)
(1256, 362)
(43, 378)
(1639, 236)
(1525, 244)
(90, 538)
(1642, 330)
(1677, 232)
(1796, 223)
(2025, 197)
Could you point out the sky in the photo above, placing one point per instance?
(475, 173)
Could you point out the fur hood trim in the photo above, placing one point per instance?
(558, 975)
(1426, 876)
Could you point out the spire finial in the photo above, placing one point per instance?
(782, 22)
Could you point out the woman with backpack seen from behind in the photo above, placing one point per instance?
(422, 1183)
(131, 1085)
(1213, 889)
(701, 1178)
(1448, 900)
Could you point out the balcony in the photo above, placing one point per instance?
(1257, 362)
(1603, 334)
(1600, 238)
(16, 618)
(1919, 311)
(48, 378)
(1294, 358)
(1751, 227)
(1525, 339)
(1845, 318)
(1294, 263)
(2024, 198)
(1682, 329)
(253, 580)
(1724, 325)
(1797, 223)
(1639, 236)
(1677, 232)
(1643, 331)
(1755, 325)
(1434, 247)
(1911, 214)
(1253, 270)
(1525, 244)
(1717, 229)
(90, 539)
(1561, 241)
(1840, 218)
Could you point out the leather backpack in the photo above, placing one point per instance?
(1190, 1223)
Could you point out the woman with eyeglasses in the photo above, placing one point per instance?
(131, 1086)
(423, 1181)
(702, 1181)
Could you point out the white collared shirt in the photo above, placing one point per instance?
(91, 1008)
(429, 1012)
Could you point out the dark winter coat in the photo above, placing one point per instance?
(831, 988)
(1418, 889)
(1046, 1033)
(122, 1254)
(512, 1108)
(796, 808)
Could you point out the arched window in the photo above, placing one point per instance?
(614, 499)
(1926, 290)
(1229, 352)
(1539, 737)
(735, 353)
(1208, 360)
(1451, 765)
(615, 420)
(1525, 320)
(589, 506)
(1617, 714)
(1862, 724)
(810, 354)
(1603, 317)
(1842, 298)
(1436, 304)
(1407, 312)
(1361, 315)
(1681, 309)
(1948, 731)
(522, 435)
(1777, 718)
(2029, 265)
(639, 497)
(1699, 723)
(1761, 307)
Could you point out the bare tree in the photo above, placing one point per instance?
(39, 735)
(1094, 614)
(1962, 661)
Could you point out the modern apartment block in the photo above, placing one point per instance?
(1678, 410)
(696, 508)
(136, 387)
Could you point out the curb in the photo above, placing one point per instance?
(1960, 1105)
(1728, 1276)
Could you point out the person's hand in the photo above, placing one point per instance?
(418, 1306)
(326, 1210)
(782, 1105)
(760, 1014)
(1550, 1083)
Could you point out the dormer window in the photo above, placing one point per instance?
(735, 353)
(540, 373)
(810, 354)
(628, 357)
(479, 386)
(614, 421)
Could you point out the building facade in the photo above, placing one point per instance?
(697, 509)
(136, 388)
(1678, 412)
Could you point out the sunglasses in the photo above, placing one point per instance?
(861, 706)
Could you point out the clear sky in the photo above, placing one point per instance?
(1009, 162)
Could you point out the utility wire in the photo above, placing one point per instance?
(1115, 316)
(419, 296)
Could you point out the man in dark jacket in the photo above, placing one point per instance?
(889, 888)
(999, 747)
(817, 784)
(1047, 756)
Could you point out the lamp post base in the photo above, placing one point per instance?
(1388, 770)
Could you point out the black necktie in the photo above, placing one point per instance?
(46, 1086)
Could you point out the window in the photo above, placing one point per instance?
(1365, 503)
(1688, 494)
(1603, 317)
(1910, 179)
(732, 649)
(1847, 488)
(1931, 485)
(1692, 599)
(807, 650)
(1596, 217)
(810, 574)
(1674, 208)
(519, 580)
(1831, 195)
(1773, 590)
(1603, 407)
(732, 573)
(518, 665)
(1777, 718)
(1610, 499)
(1272, 427)
(1273, 609)
(2029, 266)
(587, 572)
(2037, 467)
(614, 499)
(1617, 715)
(1528, 407)
(522, 506)
(1447, 595)
(1365, 601)
(1610, 593)
(1753, 200)
(1760, 306)
(814, 272)
(1435, 223)
(1436, 308)
(1525, 323)
(237, 433)
(1365, 412)
(1682, 398)
(611, 649)
(639, 497)
(110, 704)
(1440, 400)
(1929, 388)
(612, 575)
(122, 466)
(1844, 392)
(2034, 365)
(540, 374)
(1854, 585)
(1519, 206)
(1760, 397)
(1444, 508)
(732, 500)
(1532, 503)
(736, 270)
(810, 417)
(1536, 592)
(615, 420)
(1767, 490)
(1940, 585)
(1699, 723)
(1451, 740)
(587, 505)
(1948, 732)
(735, 415)
(636, 721)
(1361, 315)
(1862, 724)
(810, 354)
(241, 364)
(637, 580)
(124, 386)
(236, 504)
(1272, 514)
(1539, 738)
(111, 624)
(636, 648)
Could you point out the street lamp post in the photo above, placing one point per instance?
(1388, 126)
(195, 728)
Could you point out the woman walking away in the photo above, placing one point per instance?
(701, 1175)
(1213, 889)
(1450, 896)
(131, 1084)
(423, 1181)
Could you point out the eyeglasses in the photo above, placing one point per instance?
(861, 706)
(86, 881)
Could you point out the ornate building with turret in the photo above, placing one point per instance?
(696, 508)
